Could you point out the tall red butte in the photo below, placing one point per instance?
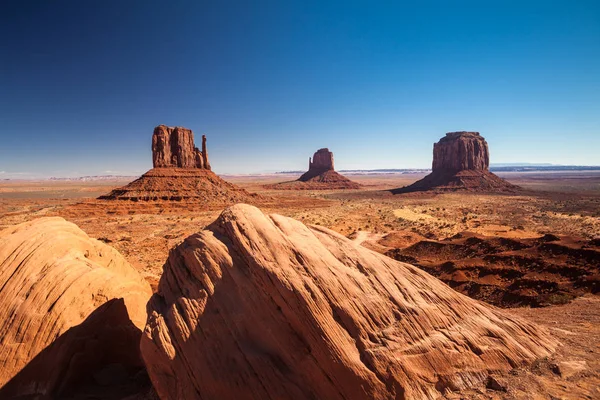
(174, 148)
(460, 162)
(181, 172)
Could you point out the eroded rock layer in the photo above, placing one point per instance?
(510, 272)
(264, 307)
(177, 184)
(69, 305)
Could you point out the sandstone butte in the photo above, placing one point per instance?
(69, 305)
(460, 162)
(321, 175)
(181, 172)
(173, 147)
(264, 307)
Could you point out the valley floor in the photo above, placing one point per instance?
(563, 206)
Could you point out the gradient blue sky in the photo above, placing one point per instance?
(83, 83)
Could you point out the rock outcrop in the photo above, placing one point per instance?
(321, 161)
(509, 272)
(320, 175)
(178, 184)
(173, 147)
(460, 162)
(181, 173)
(459, 151)
(70, 306)
(264, 307)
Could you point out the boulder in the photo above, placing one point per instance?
(69, 305)
(263, 307)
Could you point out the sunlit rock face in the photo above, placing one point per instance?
(173, 147)
(70, 306)
(262, 306)
(459, 151)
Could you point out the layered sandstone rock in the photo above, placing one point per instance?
(460, 162)
(264, 307)
(459, 151)
(179, 184)
(173, 147)
(70, 306)
(181, 173)
(322, 160)
(320, 175)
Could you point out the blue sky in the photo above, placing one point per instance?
(82, 84)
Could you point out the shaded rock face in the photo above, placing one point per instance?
(459, 151)
(321, 161)
(264, 307)
(174, 148)
(69, 306)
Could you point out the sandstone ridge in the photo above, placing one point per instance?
(69, 305)
(261, 307)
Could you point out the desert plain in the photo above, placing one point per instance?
(534, 252)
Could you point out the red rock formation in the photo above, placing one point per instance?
(459, 151)
(178, 184)
(320, 175)
(460, 162)
(69, 305)
(264, 307)
(321, 161)
(181, 172)
(174, 148)
(495, 269)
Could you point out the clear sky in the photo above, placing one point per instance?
(83, 83)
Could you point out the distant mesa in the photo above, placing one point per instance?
(460, 162)
(320, 175)
(181, 172)
(321, 162)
